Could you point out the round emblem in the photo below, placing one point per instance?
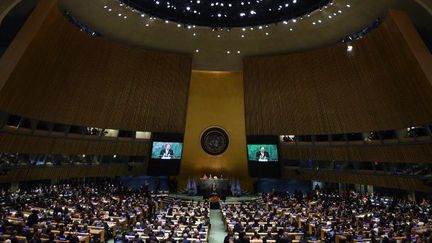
(214, 141)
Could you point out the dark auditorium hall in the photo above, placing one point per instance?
(215, 121)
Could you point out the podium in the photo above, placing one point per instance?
(215, 187)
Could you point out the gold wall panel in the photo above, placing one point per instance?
(215, 99)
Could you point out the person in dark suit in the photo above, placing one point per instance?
(262, 154)
(167, 152)
(32, 219)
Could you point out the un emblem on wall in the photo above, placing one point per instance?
(214, 141)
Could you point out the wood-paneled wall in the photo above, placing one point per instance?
(378, 86)
(14, 143)
(66, 172)
(402, 183)
(67, 76)
(413, 153)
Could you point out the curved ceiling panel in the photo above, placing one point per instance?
(227, 13)
(223, 49)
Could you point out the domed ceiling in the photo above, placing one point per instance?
(226, 13)
(256, 27)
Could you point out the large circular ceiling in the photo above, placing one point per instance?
(223, 49)
(226, 13)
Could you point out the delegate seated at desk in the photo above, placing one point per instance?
(262, 155)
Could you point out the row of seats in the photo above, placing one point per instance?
(349, 217)
(98, 210)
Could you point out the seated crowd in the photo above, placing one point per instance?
(350, 217)
(179, 221)
(96, 211)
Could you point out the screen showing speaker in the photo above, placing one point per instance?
(263, 156)
(167, 150)
(263, 152)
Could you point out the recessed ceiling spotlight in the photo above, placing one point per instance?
(251, 12)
